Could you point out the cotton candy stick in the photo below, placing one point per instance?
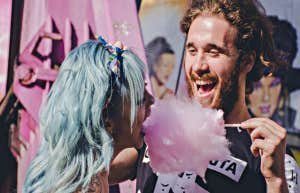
(233, 125)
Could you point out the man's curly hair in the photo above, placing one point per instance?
(248, 16)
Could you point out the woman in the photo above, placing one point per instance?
(270, 97)
(95, 109)
(161, 62)
(265, 97)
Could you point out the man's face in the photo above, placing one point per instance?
(211, 62)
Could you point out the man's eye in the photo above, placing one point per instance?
(214, 52)
(192, 51)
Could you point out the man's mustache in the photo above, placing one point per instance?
(204, 77)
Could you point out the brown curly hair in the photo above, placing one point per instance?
(248, 16)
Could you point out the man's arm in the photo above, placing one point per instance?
(123, 166)
(269, 142)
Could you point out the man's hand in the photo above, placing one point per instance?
(269, 142)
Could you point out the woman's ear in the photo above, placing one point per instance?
(109, 128)
(107, 123)
(248, 62)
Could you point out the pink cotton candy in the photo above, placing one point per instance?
(183, 136)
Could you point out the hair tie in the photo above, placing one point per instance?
(115, 59)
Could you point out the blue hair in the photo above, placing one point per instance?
(74, 143)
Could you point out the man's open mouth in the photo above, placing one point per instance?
(205, 86)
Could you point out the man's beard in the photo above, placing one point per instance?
(229, 91)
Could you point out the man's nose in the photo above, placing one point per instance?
(201, 65)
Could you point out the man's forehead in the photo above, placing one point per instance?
(213, 29)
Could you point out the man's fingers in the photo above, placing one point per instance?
(260, 133)
(252, 124)
(119, 44)
(256, 146)
(262, 147)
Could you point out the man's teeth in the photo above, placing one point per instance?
(203, 83)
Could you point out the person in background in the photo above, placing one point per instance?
(161, 62)
(271, 94)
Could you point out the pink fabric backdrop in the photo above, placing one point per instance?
(5, 18)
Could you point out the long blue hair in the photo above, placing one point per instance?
(74, 143)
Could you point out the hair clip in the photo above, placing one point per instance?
(114, 66)
(115, 59)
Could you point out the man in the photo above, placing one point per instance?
(228, 46)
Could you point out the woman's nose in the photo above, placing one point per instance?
(149, 98)
(266, 94)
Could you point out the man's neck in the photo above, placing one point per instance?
(240, 111)
(237, 115)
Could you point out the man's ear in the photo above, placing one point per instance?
(248, 62)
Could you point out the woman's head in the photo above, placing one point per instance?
(270, 91)
(264, 99)
(160, 59)
(87, 94)
(125, 133)
(87, 85)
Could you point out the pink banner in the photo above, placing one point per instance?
(5, 18)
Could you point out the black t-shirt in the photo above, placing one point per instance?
(239, 174)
